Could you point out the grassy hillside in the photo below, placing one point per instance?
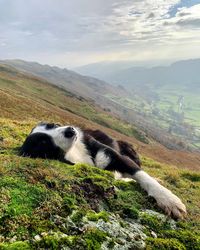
(50, 205)
(22, 96)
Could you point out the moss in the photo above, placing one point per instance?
(24, 198)
(131, 212)
(55, 242)
(18, 245)
(129, 199)
(69, 203)
(94, 238)
(125, 186)
(124, 199)
(77, 216)
(96, 216)
(154, 222)
(164, 244)
(189, 239)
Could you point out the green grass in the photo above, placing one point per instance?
(34, 192)
(49, 205)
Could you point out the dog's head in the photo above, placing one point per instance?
(49, 140)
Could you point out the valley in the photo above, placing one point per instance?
(167, 96)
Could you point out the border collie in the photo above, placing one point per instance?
(72, 145)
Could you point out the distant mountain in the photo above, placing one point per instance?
(103, 70)
(184, 73)
(81, 85)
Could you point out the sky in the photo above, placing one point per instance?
(70, 33)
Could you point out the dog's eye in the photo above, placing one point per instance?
(50, 125)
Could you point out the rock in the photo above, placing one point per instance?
(128, 236)
(153, 234)
(37, 237)
(13, 239)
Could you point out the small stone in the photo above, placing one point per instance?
(13, 239)
(2, 238)
(37, 237)
(44, 234)
(153, 234)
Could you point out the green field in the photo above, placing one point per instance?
(165, 112)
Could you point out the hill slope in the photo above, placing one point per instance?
(50, 205)
(24, 96)
(81, 85)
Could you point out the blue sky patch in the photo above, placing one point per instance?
(183, 3)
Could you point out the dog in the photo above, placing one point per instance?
(72, 145)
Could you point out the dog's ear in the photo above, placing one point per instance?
(40, 145)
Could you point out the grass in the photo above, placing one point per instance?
(23, 96)
(38, 195)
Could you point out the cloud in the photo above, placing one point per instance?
(92, 30)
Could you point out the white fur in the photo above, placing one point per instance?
(57, 135)
(102, 160)
(164, 197)
(79, 153)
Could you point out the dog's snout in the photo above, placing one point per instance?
(69, 132)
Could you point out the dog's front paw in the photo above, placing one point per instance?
(170, 203)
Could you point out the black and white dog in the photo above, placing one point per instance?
(72, 145)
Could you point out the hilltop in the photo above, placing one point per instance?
(50, 205)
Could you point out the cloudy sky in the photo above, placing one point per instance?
(71, 33)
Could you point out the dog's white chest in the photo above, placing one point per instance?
(79, 154)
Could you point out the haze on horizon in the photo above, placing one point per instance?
(79, 32)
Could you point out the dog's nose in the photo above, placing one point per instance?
(69, 132)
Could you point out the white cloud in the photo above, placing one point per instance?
(82, 31)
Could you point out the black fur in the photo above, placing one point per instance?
(118, 162)
(41, 145)
(123, 157)
(122, 147)
(127, 149)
